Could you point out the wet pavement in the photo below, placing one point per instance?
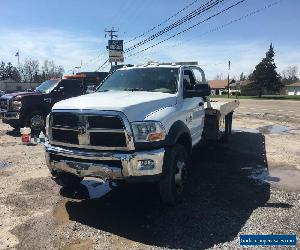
(4, 164)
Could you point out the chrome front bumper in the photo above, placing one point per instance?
(9, 115)
(80, 162)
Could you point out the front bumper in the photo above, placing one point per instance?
(88, 163)
(5, 115)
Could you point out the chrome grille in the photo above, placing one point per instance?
(93, 130)
(4, 104)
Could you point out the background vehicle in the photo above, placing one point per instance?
(140, 125)
(90, 80)
(31, 108)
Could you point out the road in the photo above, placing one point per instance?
(249, 185)
(284, 110)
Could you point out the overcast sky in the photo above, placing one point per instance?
(68, 31)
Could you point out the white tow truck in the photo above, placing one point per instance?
(140, 125)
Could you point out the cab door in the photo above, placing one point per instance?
(193, 107)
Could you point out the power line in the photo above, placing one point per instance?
(191, 27)
(102, 65)
(252, 13)
(165, 21)
(210, 4)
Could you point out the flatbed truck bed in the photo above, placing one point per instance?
(218, 119)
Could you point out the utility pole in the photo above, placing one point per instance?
(228, 78)
(112, 34)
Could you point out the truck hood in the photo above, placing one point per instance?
(135, 105)
(21, 94)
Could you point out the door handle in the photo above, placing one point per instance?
(201, 104)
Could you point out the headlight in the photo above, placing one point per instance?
(148, 131)
(47, 125)
(16, 105)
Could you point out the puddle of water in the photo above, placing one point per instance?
(4, 164)
(96, 188)
(289, 178)
(274, 129)
(248, 130)
(262, 174)
(283, 177)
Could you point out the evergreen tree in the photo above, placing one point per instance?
(242, 77)
(265, 77)
(2, 71)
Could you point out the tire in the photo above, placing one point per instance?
(36, 121)
(175, 174)
(67, 180)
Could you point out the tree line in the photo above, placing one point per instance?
(31, 71)
(265, 79)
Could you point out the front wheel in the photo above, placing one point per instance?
(35, 120)
(174, 178)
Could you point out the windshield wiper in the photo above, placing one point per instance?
(134, 89)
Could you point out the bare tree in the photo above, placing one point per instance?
(29, 70)
(219, 76)
(290, 72)
(50, 70)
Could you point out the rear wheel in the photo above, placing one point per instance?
(67, 180)
(174, 179)
(36, 121)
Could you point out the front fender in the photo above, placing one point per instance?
(177, 129)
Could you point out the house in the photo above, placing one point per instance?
(242, 88)
(218, 87)
(293, 89)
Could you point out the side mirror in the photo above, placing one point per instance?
(59, 91)
(200, 90)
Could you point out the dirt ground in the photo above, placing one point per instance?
(250, 185)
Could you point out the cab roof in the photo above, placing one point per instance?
(161, 65)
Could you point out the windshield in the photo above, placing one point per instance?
(142, 79)
(47, 86)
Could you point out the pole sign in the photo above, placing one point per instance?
(115, 48)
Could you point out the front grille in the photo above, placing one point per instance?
(66, 136)
(65, 120)
(4, 104)
(91, 131)
(108, 139)
(105, 122)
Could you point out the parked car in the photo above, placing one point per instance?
(31, 108)
(140, 125)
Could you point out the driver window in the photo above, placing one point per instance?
(188, 80)
(198, 76)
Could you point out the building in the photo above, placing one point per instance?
(10, 85)
(218, 87)
(293, 89)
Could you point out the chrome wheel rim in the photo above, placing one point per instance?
(37, 122)
(180, 174)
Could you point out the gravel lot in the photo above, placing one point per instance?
(250, 185)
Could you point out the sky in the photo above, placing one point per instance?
(71, 32)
